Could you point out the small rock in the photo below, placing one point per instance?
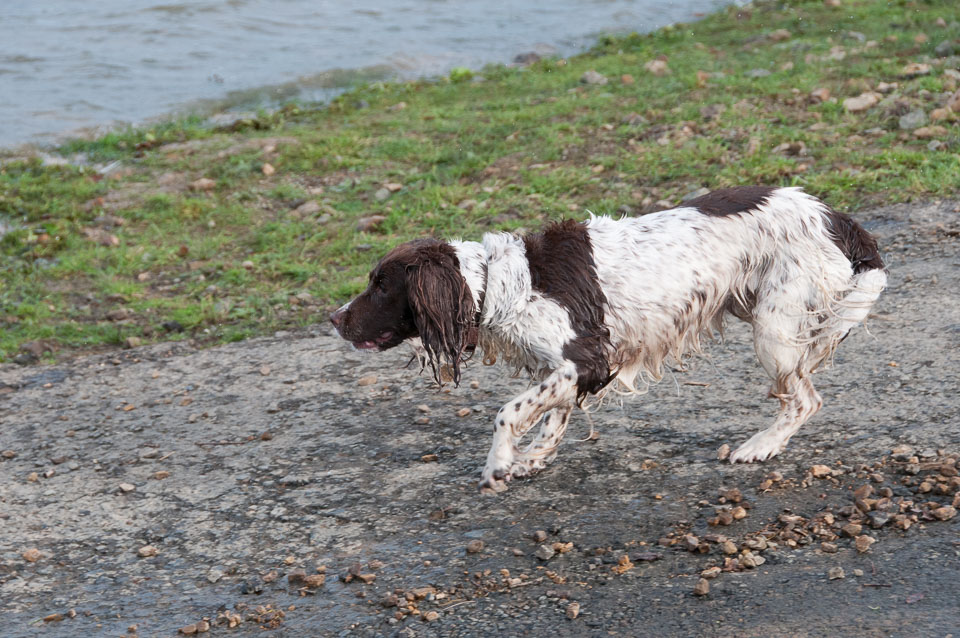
(864, 542)
(203, 184)
(915, 69)
(592, 77)
(32, 555)
(944, 513)
(757, 73)
(430, 616)
(821, 95)
(851, 530)
(723, 452)
(946, 48)
(858, 573)
(779, 35)
(368, 380)
(828, 548)
(926, 132)
(711, 572)
(268, 170)
(214, 575)
(862, 102)
(314, 580)
(475, 547)
(305, 209)
(189, 630)
(573, 610)
(728, 547)
(544, 552)
(836, 573)
(393, 187)
(53, 618)
(626, 79)
(371, 223)
(913, 119)
(127, 487)
(147, 551)
(702, 588)
(539, 536)
(464, 412)
(132, 342)
(820, 471)
(657, 67)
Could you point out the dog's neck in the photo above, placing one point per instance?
(473, 268)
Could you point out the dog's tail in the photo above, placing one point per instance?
(852, 309)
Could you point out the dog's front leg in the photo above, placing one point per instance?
(517, 417)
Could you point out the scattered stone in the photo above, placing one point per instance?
(851, 530)
(147, 551)
(723, 452)
(464, 412)
(779, 35)
(626, 79)
(953, 103)
(430, 616)
(864, 542)
(382, 194)
(623, 565)
(862, 102)
(915, 69)
(702, 588)
(913, 119)
(127, 487)
(711, 572)
(203, 184)
(393, 187)
(32, 555)
(544, 552)
(539, 536)
(367, 380)
(573, 610)
(132, 342)
(370, 223)
(691, 543)
(836, 573)
(189, 630)
(820, 471)
(757, 73)
(944, 513)
(592, 77)
(820, 95)
(926, 132)
(268, 170)
(305, 209)
(728, 547)
(53, 618)
(828, 548)
(657, 67)
(475, 547)
(887, 87)
(314, 580)
(429, 458)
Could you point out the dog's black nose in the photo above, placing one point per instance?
(336, 318)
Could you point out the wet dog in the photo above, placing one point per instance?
(597, 306)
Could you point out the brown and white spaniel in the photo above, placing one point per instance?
(594, 306)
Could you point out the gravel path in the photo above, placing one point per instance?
(166, 485)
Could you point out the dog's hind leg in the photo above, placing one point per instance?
(543, 449)
(778, 327)
(516, 418)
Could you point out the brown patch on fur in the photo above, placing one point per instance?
(857, 244)
(731, 201)
(562, 268)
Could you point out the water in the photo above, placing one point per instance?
(67, 65)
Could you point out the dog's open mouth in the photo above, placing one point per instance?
(383, 341)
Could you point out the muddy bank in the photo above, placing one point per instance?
(163, 486)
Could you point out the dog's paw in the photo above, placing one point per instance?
(526, 467)
(493, 481)
(759, 447)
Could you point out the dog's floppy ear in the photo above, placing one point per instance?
(442, 304)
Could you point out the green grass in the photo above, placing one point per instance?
(502, 148)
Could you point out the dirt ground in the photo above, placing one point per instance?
(167, 485)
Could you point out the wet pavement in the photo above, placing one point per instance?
(164, 487)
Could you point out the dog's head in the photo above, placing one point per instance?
(415, 290)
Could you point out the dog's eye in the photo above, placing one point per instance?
(380, 284)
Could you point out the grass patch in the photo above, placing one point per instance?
(274, 239)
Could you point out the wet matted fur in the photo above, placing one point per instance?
(586, 308)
